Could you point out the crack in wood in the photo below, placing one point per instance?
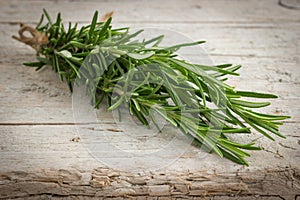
(287, 147)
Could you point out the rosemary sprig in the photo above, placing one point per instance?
(192, 97)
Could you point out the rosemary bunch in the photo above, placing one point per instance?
(190, 96)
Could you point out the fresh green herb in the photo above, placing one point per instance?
(189, 96)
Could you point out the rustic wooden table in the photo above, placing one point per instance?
(39, 159)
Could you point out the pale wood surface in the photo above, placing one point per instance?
(39, 160)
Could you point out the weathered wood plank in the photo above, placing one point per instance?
(101, 183)
(39, 97)
(157, 11)
(35, 144)
(45, 160)
(253, 40)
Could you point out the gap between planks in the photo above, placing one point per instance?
(75, 124)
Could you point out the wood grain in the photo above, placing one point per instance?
(132, 11)
(43, 156)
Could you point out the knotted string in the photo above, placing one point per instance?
(37, 38)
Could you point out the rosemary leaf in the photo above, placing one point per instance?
(190, 96)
